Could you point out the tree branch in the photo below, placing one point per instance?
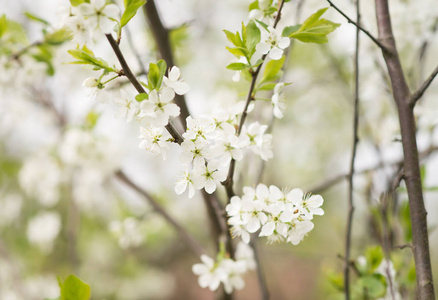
(412, 178)
(186, 237)
(161, 35)
(353, 157)
(419, 93)
(357, 24)
(228, 183)
(128, 73)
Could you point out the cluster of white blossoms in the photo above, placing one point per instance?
(88, 19)
(224, 270)
(278, 216)
(211, 143)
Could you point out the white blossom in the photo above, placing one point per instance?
(157, 109)
(175, 81)
(127, 107)
(278, 106)
(209, 275)
(155, 140)
(99, 14)
(209, 176)
(272, 43)
(185, 180)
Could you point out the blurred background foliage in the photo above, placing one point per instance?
(58, 219)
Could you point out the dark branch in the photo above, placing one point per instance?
(376, 41)
(187, 238)
(228, 183)
(161, 35)
(419, 93)
(353, 158)
(128, 73)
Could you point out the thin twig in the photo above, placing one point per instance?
(260, 274)
(162, 38)
(128, 73)
(353, 158)
(376, 41)
(318, 188)
(186, 237)
(419, 93)
(134, 50)
(228, 183)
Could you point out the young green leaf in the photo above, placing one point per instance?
(85, 56)
(3, 25)
(237, 66)
(131, 7)
(142, 96)
(272, 70)
(75, 289)
(288, 30)
(233, 38)
(57, 37)
(77, 2)
(156, 73)
(374, 256)
(252, 36)
(374, 285)
(314, 29)
(238, 51)
(32, 17)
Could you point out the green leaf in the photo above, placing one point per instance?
(85, 56)
(142, 96)
(374, 285)
(252, 36)
(287, 31)
(267, 87)
(91, 119)
(131, 7)
(75, 289)
(264, 25)
(32, 17)
(237, 66)
(3, 25)
(238, 51)
(45, 55)
(58, 37)
(314, 29)
(233, 38)
(254, 5)
(374, 256)
(77, 2)
(272, 70)
(156, 73)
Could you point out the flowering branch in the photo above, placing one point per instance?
(228, 183)
(353, 157)
(376, 41)
(128, 73)
(187, 238)
(161, 35)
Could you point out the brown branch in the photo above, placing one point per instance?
(419, 93)
(228, 183)
(128, 73)
(186, 237)
(353, 157)
(161, 35)
(376, 41)
(412, 178)
(318, 188)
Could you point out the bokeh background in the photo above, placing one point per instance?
(57, 219)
